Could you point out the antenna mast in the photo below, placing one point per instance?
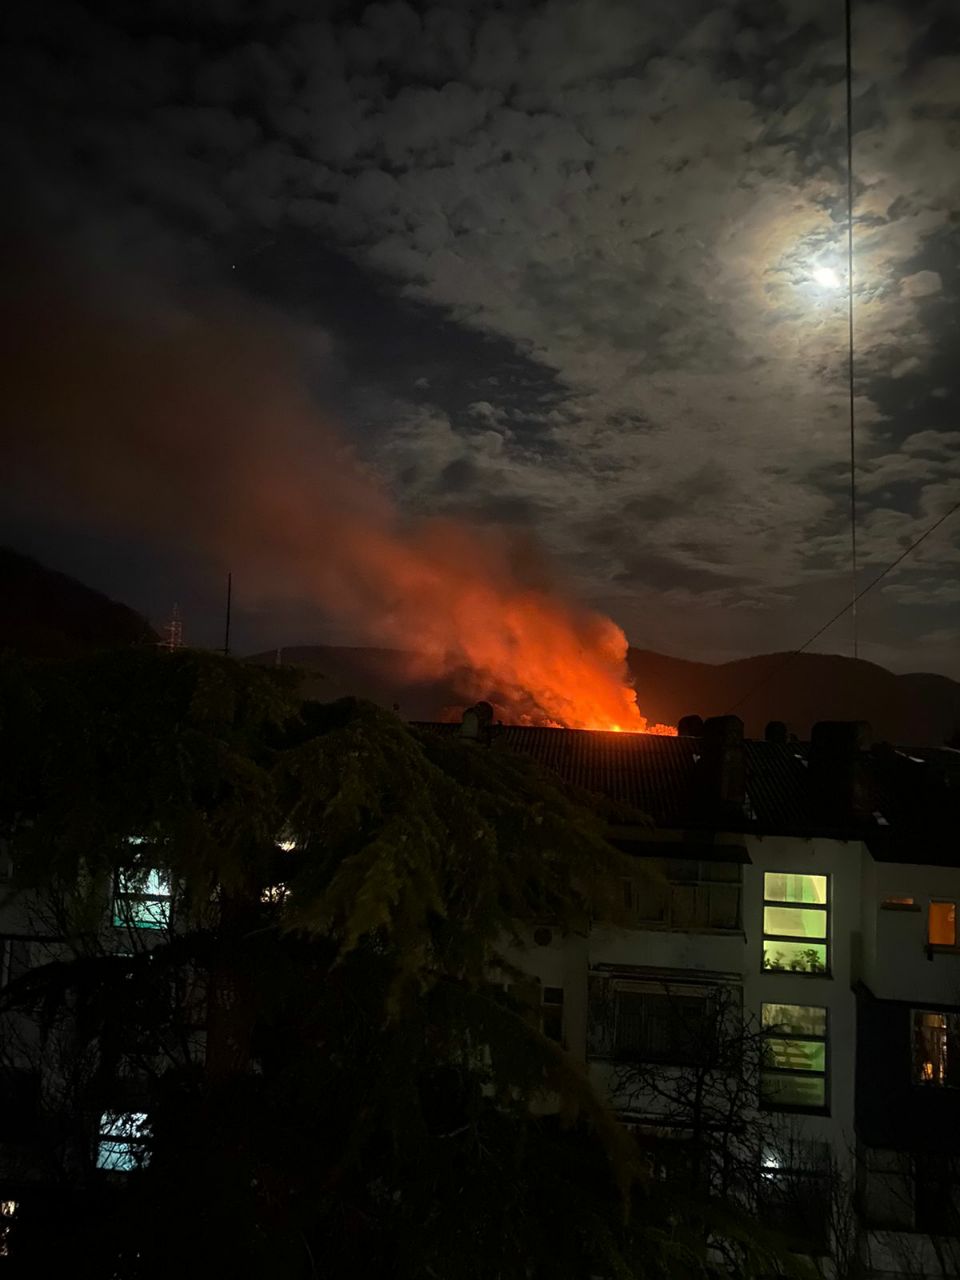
(173, 631)
(226, 630)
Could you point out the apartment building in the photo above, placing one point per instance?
(776, 1010)
(791, 927)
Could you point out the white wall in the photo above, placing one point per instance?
(566, 962)
(896, 964)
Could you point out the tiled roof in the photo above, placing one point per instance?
(902, 794)
(644, 771)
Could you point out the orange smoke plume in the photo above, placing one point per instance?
(193, 424)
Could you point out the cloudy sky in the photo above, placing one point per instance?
(559, 262)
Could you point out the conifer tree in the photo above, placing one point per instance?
(342, 887)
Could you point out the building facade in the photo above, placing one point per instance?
(774, 1013)
(781, 1003)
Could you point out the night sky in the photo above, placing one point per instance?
(545, 266)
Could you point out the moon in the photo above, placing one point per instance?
(827, 277)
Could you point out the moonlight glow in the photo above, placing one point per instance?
(826, 277)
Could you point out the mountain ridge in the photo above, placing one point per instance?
(48, 614)
(918, 707)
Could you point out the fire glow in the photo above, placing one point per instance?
(461, 597)
(208, 417)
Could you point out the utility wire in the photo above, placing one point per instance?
(848, 9)
(852, 605)
(855, 595)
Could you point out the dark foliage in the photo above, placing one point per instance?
(363, 1104)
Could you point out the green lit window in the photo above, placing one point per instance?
(142, 899)
(794, 1071)
(796, 919)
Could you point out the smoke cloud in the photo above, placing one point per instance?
(189, 421)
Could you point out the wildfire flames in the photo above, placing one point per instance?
(540, 659)
(192, 426)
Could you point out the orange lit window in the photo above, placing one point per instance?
(942, 924)
(893, 903)
(936, 1059)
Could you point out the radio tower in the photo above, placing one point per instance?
(173, 631)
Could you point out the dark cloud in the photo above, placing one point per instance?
(662, 574)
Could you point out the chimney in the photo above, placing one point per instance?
(476, 722)
(722, 766)
(690, 727)
(776, 731)
(837, 772)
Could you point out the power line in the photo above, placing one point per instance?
(852, 605)
(848, 10)
(855, 595)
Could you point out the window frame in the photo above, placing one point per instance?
(798, 1168)
(768, 1034)
(125, 897)
(705, 994)
(531, 995)
(8, 1213)
(948, 1038)
(553, 1009)
(701, 880)
(135, 1142)
(826, 907)
(947, 947)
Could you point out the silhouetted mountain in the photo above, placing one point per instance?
(45, 614)
(921, 708)
(385, 676)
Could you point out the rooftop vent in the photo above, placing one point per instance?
(690, 727)
(837, 771)
(722, 765)
(776, 731)
(476, 722)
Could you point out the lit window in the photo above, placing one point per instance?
(142, 899)
(122, 1142)
(898, 904)
(936, 1048)
(942, 924)
(794, 1073)
(795, 922)
(692, 895)
(8, 1211)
